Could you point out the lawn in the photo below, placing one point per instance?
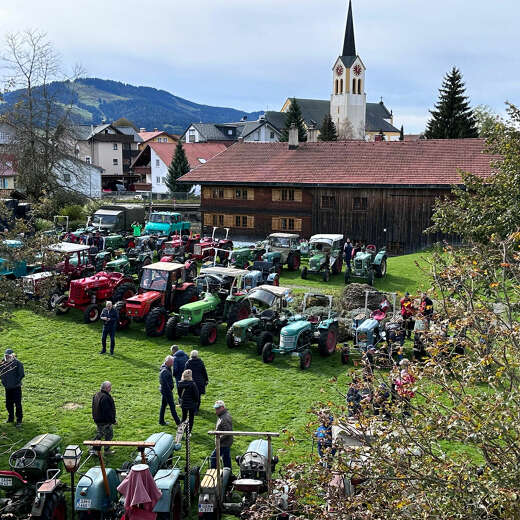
(63, 371)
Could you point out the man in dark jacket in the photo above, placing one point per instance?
(347, 250)
(199, 374)
(179, 362)
(110, 318)
(166, 382)
(224, 424)
(104, 414)
(12, 373)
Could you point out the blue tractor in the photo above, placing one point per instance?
(11, 267)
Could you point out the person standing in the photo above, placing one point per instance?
(200, 376)
(110, 318)
(426, 307)
(166, 388)
(407, 312)
(104, 414)
(179, 362)
(224, 424)
(347, 250)
(188, 397)
(12, 373)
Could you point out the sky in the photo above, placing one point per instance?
(253, 54)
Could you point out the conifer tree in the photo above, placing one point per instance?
(328, 130)
(294, 115)
(452, 117)
(401, 134)
(178, 167)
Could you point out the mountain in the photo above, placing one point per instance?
(97, 99)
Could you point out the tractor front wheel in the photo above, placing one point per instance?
(267, 353)
(54, 296)
(171, 328)
(60, 305)
(264, 338)
(327, 342)
(208, 333)
(230, 339)
(381, 269)
(155, 322)
(303, 274)
(305, 359)
(370, 277)
(91, 313)
(54, 508)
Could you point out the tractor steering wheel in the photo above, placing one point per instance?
(22, 459)
(253, 463)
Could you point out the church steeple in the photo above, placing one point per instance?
(349, 47)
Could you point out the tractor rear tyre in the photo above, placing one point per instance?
(239, 311)
(124, 291)
(303, 274)
(327, 342)
(91, 313)
(264, 338)
(208, 333)
(293, 262)
(171, 328)
(60, 305)
(54, 295)
(267, 353)
(345, 355)
(189, 295)
(124, 320)
(155, 322)
(230, 339)
(55, 507)
(381, 269)
(326, 275)
(370, 277)
(305, 359)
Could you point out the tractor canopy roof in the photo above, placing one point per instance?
(68, 247)
(326, 239)
(265, 295)
(368, 325)
(15, 244)
(224, 271)
(273, 289)
(169, 213)
(38, 276)
(283, 235)
(164, 266)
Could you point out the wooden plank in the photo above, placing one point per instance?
(134, 444)
(244, 434)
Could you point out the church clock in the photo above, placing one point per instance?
(339, 70)
(357, 70)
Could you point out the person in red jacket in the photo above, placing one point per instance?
(407, 312)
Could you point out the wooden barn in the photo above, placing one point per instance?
(375, 192)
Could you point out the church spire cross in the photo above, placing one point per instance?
(349, 47)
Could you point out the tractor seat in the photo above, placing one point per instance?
(268, 314)
(313, 319)
(371, 248)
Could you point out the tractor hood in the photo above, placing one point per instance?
(294, 328)
(122, 260)
(271, 256)
(316, 261)
(368, 325)
(201, 305)
(244, 324)
(145, 297)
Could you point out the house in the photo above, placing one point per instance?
(7, 175)
(151, 165)
(157, 136)
(375, 192)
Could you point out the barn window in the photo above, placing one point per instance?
(218, 193)
(287, 224)
(288, 194)
(360, 204)
(328, 201)
(241, 194)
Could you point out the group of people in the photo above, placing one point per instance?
(417, 320)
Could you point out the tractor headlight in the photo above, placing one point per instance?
(317, 334)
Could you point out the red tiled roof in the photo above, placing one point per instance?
(194, 151)
(426, 162)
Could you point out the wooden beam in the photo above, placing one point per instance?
(245, 434)
(134, 444)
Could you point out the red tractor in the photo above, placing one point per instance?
(88, 294)
(205, 248)
(76, 263)
(163, 289)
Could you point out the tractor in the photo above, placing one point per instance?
(368, 264)
(306, 329)
(163, 289)
(88, 294)
(261, 273)
(222, 300)
(205, 249)
(325, 256)
(240, 258)
(76, 261)
(10, 267)
(282, 249)
(135, 258)
(270, 314)
(178, 247)
(256, 467)
(31, 488)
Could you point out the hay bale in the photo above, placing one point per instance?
(353, 297)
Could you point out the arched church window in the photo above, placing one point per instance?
(336, 88)
(341, 86)
(359, 86)
(354, 86)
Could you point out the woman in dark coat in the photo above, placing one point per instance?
(198, 370)
(188, 397)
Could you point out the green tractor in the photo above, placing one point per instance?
(222, 300)
(325, 256)
(316, 325)
(368, 264)
(282, 249)
(270, 314)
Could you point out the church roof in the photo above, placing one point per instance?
(349, 45)
(348, 60)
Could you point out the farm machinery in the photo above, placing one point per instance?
(178, 247)
(282, 249)
(325, 256)
(163, 289)
(88, 294)
(261, 273)
(166, 223)
(13, 268)
(307, 329)
(31, 487)
(367, 264)
(256, 467)
(269, 315)
(222, 300)
(135, 258)
(205, 248)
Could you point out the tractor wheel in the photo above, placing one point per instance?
(54, 295)
(55, 507)
(91, 313)
(175, 512)
(267, 353)
(60, 305)
(189, 295)
(327, 342)
(230, 339)
(348, 272)
(381, 269)
(293, 262)
(123, 291)
(239, 311)
(171, 328)
(208, 333)
(265, 337)
(194, 481)
(370, 277)
(124, 320)
(305, 359)
(303, 274)
(326, 275)
(155, 322)
(345, 355)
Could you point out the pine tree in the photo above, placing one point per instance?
(294, 115)
(328, 130)
(401, 134)
(178, 167)
(452, 117)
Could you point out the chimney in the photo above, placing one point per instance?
(293, 137)
(244, 118)
(312, 133)
(142, 130)
(155, 130)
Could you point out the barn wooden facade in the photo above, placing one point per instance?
(380, 193)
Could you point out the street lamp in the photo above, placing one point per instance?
(71, 460)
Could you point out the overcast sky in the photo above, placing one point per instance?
(253, 54)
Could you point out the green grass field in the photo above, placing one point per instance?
(63, 371)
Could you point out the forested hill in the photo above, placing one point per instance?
(97, 99)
